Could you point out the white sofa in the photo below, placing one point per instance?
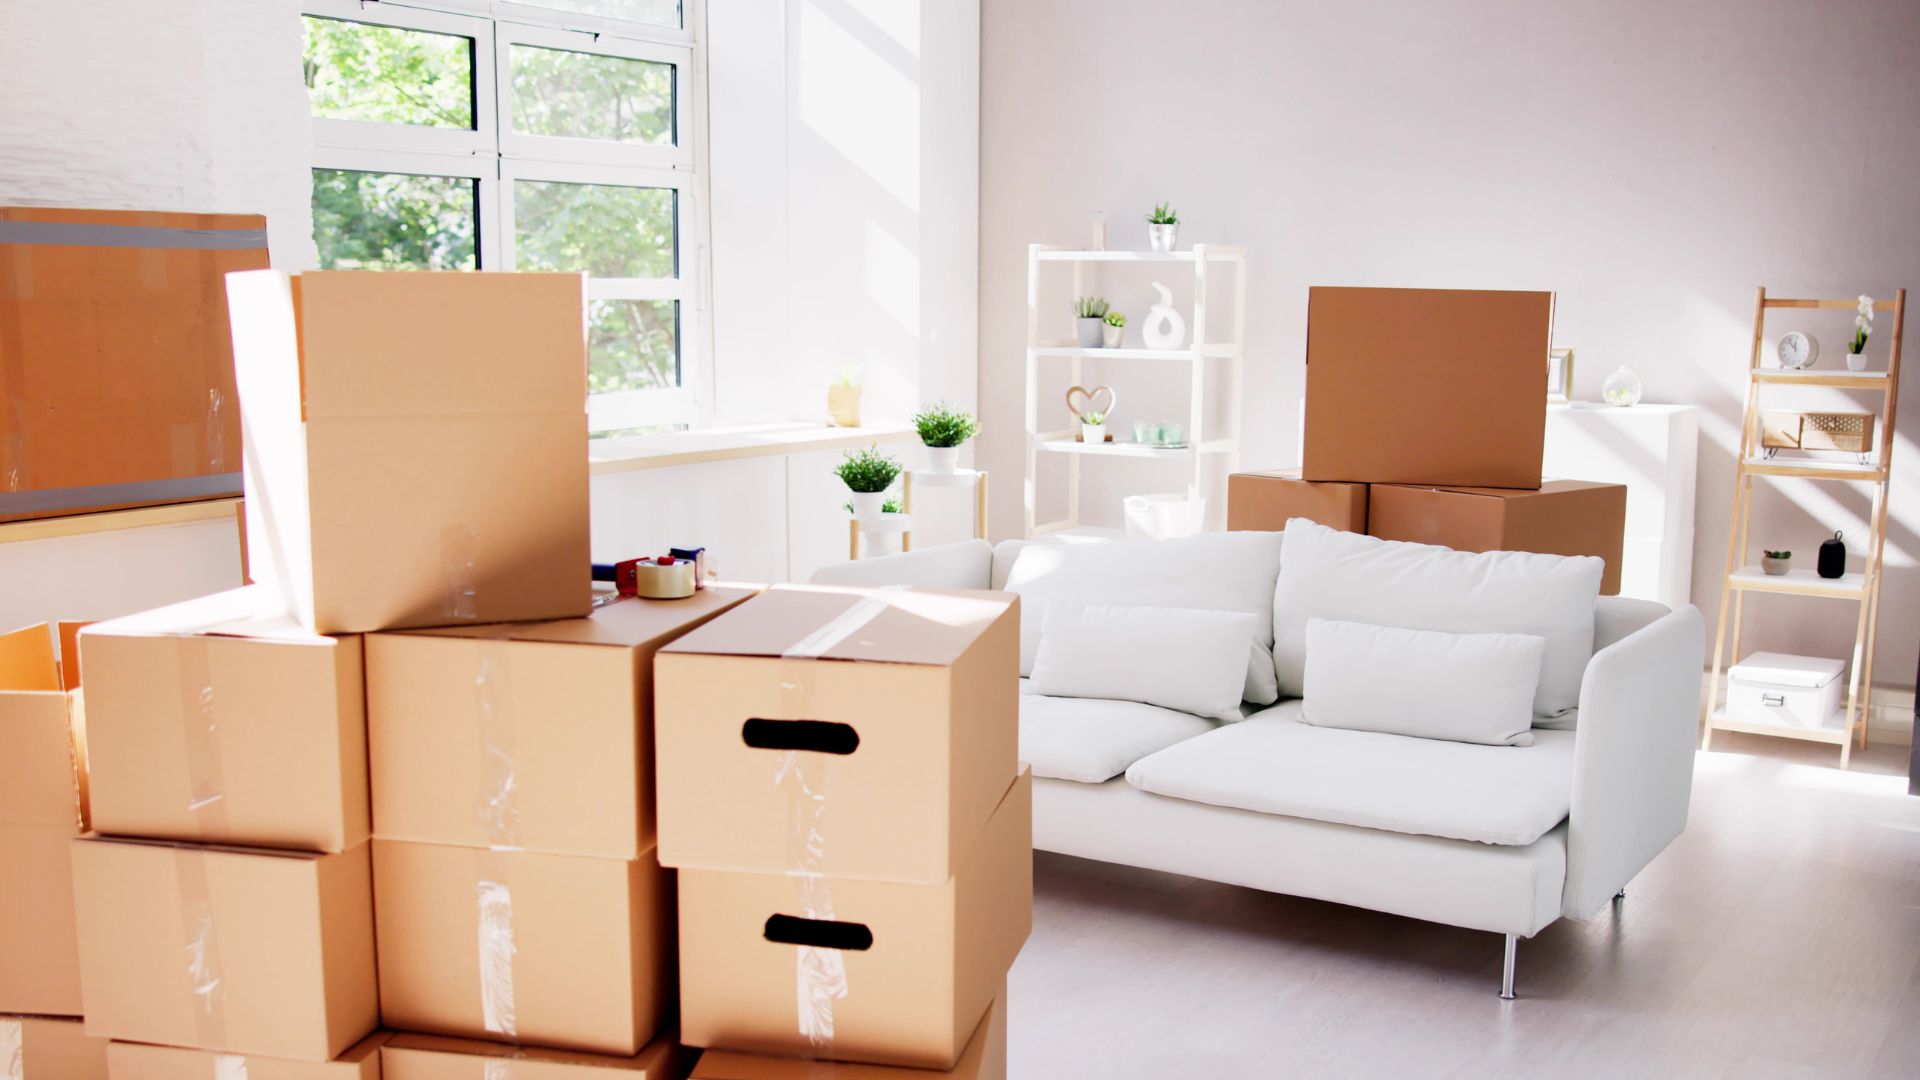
(1498, 838)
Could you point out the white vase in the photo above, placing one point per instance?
(867, 505)
(943, 460)
(1162, 237)
(1093, 433)
(1622, 388)
(1856, 361)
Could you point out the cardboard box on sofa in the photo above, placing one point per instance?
(223, 720)
(416, 445)
(985, 1058)
(43, 807)
(889, 973)
(554, 720)
(241, 950)
(50, 1048)
(116, 363)
(141, 1061)
(897, 707)
(553, 950)
(436, 1057)
(1426, 386)
(1263, 501)
(1562, 517)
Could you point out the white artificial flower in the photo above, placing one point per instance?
(1866, 308)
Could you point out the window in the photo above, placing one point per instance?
(545, 135)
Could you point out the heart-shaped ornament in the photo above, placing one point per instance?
(1089, 401)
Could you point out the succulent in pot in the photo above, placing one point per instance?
(1089, 315)
(1163, 228)
(1110, 333)
(1774, 563)
(1093, 427)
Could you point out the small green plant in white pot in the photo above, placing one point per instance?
(1163, 228)
(1110, 332)
(1089, 316)
(1774, 563)
(944, 429)
(868, 474)
(1862, 329)
(1093, 427)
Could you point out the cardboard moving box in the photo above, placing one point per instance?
(243, 950)
(1426, 386)
(899, 707)
(222, 720)
(529, 735)
(434, 1057)
(554, 950)
(139, 1061)
(416, 445)
(887, 972)
(49, 1048)
(116, 365)
(985, 1058)
(43, 806)
(1263, 501)
(1563, 517)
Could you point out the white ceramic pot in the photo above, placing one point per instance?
(1093, 433)
(1110, 335)
(867, 504)
(1087, 332)
(1162, 237)
(1773, 567)
(943, 460)
(1856, 361)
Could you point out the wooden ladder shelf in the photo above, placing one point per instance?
(1862, 588)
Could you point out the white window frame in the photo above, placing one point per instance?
(495, 156)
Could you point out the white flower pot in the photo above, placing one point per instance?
(943, 460)
(1110, 335)
(1162, 237)
(1093, 433)
(1856, 361)
(1087, 332)
(867, 504)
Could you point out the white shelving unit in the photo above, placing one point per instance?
(1207, 262)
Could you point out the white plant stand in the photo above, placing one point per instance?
(1206, 261)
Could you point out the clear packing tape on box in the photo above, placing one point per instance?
(498, 810)
(206, 799)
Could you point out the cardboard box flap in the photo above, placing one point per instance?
(251, 611)
(628, 623)
(888, 625)
(499, 1059)
(1547, 487)
(197, 846)
(26, 660)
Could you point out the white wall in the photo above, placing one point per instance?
(1651, 162)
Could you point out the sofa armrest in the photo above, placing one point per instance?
(1633, 757)
(966, 565)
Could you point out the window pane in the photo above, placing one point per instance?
(394, 221)
(587, 96)
(358, 71)
(633, 345)
(606, 231)
(653, 12)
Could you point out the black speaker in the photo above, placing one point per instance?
(1833, 557)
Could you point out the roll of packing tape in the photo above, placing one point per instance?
(665, 578)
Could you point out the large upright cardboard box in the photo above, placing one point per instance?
(1426, 386)
(416, 445)
(221, 719)
(887, 720)
(50, 1048)
(1264, 501)
(241, 950)
(116, 366)
(43, 807)
(140, 1061)
(985, 1058)
(551, 950)
(883, 972)
(435, 1057)
(526, 735)
(1563, 517)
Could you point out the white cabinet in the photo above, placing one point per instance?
(1651, 449)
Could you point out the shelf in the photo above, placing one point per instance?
(1799, 583)
(1852, 380)
(1835, 732)
(1067, 444)
(1214, 254)
(1828, 305)
(1808, 469)
(956, 478)
(1214, 352)
(885, 523)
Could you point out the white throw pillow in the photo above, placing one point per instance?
(1186, 659)
(1337, 575)
(1232, 571)
(1473, 688)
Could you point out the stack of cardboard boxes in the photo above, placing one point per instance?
(841, 796)
(1425, 421)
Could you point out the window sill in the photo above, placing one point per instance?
(729, 443)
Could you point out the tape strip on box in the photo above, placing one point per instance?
(201, 932)
(229, 1067)
(206, 787)
(13, 1054)
(459, 556)
(497, 806)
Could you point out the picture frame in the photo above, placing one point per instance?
(1559, 376)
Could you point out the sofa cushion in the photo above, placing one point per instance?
(1189, 659)
(1274, 764)
(1473, 688)
(1093, 741)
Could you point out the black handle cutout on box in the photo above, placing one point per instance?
(820, 736)
(820, 933)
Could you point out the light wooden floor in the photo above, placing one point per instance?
(1780, 936)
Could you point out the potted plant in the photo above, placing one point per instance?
(1862, 327)
(1093, 427)
(1089, 315)
(1163, 228)
(843, 398)
(943, 429)
(1774, 563)
(868, 474)
(1110, 333)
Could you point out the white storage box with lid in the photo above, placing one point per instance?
(1783, 690)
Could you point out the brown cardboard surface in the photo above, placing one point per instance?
(42, 808)
(116, 368)
(416, 445)
(581, 955)
(985, 1058)
(937, 958)
(50, 1048)
(1263, 501)
(221, 719)
(433, 1057)
(527, 735)
(1563, 517)
(1426, 386)
(244, 950)
(928, 686)
(139, 1061)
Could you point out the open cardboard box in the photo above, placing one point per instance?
(434, 1057)
(57, 1048)
(1561, 517)
(1264, 501)
(985, 1058)
(223, 720)
(141, 1061)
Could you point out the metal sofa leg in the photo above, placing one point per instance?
(1506, 975)
(1621, 895)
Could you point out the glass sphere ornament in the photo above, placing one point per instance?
(1622, 388)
